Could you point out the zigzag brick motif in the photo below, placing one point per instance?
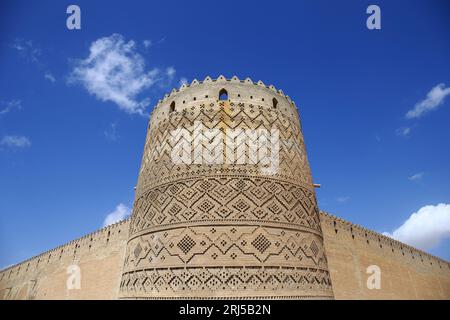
(225, 229)
(239, 282)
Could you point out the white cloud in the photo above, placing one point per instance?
(147, 43)
(425, 228)
(15, 141)
(342, 199)
(169, 75)
(433, 100)
(31, 52)
(170, 72)
(9, 106)
(120, 213)
(111, 132)
(49, 76)
(403, 131)
(114, 71)
(27, 50)
(417, 176)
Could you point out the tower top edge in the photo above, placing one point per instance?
(224, 80)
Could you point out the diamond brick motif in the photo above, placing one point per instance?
(213, 283)
(261, 243)
(224, 212)
(186, 244)
(259, 213)
(241, 184)
(275, 207)
(222, 191)
(314, 248)
(188, 194)
(206, 205)
(241, 205)
(194, 283)
(258, 192)
(205, 185)
(174, 209)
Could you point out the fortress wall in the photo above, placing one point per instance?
(406, 272)
(99, 256)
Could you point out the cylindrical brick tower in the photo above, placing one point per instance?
(237, 215)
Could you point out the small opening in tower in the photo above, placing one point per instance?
(172, 106)
(223, 94)
(274, 102)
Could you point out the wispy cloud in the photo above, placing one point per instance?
(9, 106)
(417, 176)
(115, 71)
(426, 228)
(111, 132)
(342, 199)
(167, 79)
(434, 99)
(31, 52)
(28, 50)
(147, 43)
(120, 213)
(170, 72)
(15, 141)
(49, 76)
(403, 132)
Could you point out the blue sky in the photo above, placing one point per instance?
(70, 146)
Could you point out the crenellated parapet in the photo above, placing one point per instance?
(238, 91)
(379, 242)
(70, 251)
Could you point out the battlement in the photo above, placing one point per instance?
(70, 250)
(386, 244)
(237, 91)
(221, 79)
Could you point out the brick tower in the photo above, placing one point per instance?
(218, 223)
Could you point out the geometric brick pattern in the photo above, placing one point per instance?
(157, 166)
(226, 245)
(224, 282)
(220, 199)
(224, 230)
